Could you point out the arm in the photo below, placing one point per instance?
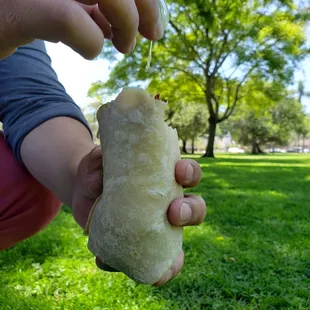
(64, 142)
(45, 128)
(49, 134)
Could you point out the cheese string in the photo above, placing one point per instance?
(164, 18)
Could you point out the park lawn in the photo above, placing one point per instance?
(252, 252)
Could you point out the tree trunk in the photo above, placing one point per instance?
(193, 146)
(298, 138)
(212, 133)
(303, 143)
(259, 149)
(256, 149)
(184, 146)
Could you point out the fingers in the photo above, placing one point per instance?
(169, 275)
(104, 267)
(188, 173)
(127, 18)
(94, 12)
(149, 22)
(81, 25)
(188, 211)
(173, 271)
(55, 21)
(92, 165)
(94, 160)
(124, 19)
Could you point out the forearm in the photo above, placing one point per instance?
(52, 152)
(46, 130)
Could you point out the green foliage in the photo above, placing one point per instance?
(216, 46)
(190, 120)
(185, 109)
(91, 117)
(267, 115)
(301, 91)
(302, 128)
(253, 251)
(273, 125)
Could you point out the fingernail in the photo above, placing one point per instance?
(159, 30)
(189, 173)
(185, 212)
(167, 277)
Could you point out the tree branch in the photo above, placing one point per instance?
(182, 37)
(209, 97)
(183, 58)
(218, 62)
(230, 109)
(192, 76)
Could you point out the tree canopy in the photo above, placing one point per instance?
(215, 47)
(262, 120)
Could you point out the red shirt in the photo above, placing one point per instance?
(26, 206)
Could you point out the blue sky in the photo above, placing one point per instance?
(77, 74)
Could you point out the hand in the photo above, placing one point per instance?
(190, 211)
(182, 212)
(81, 25)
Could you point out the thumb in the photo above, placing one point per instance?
(90, 174)
(55, 21)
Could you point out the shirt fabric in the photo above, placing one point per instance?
(26, 206)
(30, 94)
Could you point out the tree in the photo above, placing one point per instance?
(184, 110)
(190, 122)
(302, 127)
(218, 45)
(260, 127)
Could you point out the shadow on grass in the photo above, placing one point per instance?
(254, 248)
(252, 252)
(231, 275)
(265, 159)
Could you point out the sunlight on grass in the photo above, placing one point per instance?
(262, 164)
(252, 252)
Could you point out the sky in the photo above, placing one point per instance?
(77, 74)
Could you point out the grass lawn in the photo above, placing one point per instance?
(253, 251)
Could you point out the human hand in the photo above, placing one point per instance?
(82, 25)
(182, 212)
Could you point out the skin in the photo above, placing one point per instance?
(82, 25)
(60, 152)
(61, 155)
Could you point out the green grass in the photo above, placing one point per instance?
(252, 252)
